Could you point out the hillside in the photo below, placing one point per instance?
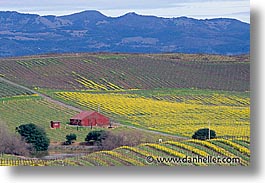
(152, 154)
(151, 96)
(169, 93)
(91, 31)
(129, 71)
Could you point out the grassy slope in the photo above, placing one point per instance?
(38, 111)
(30, 109)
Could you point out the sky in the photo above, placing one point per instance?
(200, 9)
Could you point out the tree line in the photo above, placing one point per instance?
(31, 138)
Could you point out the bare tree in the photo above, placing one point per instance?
(12, 143)
(117, 139)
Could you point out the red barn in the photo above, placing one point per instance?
(89, 118)
(55, 124)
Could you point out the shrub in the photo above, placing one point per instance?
(203, 134)
(96, 136)
(70, 138)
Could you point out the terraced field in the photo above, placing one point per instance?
(168, 153)
(124, 71)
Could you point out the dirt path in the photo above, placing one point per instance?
(154, 132)
(79, 110)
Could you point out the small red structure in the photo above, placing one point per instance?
(89, 118)
(55, 124)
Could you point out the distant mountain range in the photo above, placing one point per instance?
(91, 31)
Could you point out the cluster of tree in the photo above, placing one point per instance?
(204, 133)
(11, 143)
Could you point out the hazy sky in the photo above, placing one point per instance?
(239, 9)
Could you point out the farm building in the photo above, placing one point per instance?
(89, 118)
(55, 124)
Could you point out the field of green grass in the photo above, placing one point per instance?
(38, 111)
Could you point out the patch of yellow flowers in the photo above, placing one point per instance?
(92, 85)
(121, 157)
(188, 147)
(218, 149)
(166, 116)
(172, 152)
(215, 99)
(21, 162)
(242, 149)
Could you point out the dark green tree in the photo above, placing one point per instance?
(203, 134)
(70, 138)
(96, 136)
(34, 135)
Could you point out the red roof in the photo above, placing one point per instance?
(83, 115)
(55, 122)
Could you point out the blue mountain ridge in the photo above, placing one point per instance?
(91, 31)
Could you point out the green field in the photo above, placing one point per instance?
(38, 111)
